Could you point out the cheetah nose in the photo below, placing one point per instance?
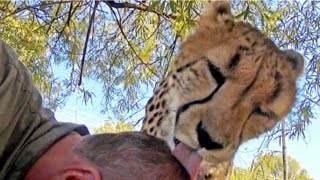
(204, 139)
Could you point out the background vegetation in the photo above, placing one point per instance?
(269, 166)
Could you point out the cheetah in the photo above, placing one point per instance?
(230, 84)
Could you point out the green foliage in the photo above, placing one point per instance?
(29, 40)
(269, 166)
(110, 127)
(240, 174)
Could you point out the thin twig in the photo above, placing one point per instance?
(20, 9)
(55, 17)
(138, 121)
(170, 53)
(131, 115)
(87, 40)
(156, 29)
(64, 26)
(140, 7)
(70, 13)
(130, 45)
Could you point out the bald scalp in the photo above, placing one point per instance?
(131, 155)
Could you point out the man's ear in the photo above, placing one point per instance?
(81, 172)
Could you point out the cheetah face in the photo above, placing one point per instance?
(230, 84)
(236, 84)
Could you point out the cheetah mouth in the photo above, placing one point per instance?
(204, 139)
(176, 141)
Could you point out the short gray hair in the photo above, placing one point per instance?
(131, 155)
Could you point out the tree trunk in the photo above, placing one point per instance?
(284, 150)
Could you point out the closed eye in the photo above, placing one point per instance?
(234, 61)
(269, 114)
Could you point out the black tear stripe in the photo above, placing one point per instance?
(219, 78)
(215, 72)
(204, 139)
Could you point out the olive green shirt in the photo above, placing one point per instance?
(27, 129)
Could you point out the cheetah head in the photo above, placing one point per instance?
(230, 84)
(244, 84)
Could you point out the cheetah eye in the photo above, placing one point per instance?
(258, 111)
(222, 10)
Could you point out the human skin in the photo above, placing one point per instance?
(61, 162)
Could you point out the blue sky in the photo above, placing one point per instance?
(306, 152)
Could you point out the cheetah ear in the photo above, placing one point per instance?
(296, 61)
(218, 12)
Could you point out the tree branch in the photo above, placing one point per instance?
(55, 17)
(27, 7)
(130, 45)
(141, 7)
(64, 26)
(87, 40)
(70, 13)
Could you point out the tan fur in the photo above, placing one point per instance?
(230, 116)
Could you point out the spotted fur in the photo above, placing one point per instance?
(230, 84)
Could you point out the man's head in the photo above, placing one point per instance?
(130, 155)
(122, 156)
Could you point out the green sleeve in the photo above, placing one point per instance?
(27, 129)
